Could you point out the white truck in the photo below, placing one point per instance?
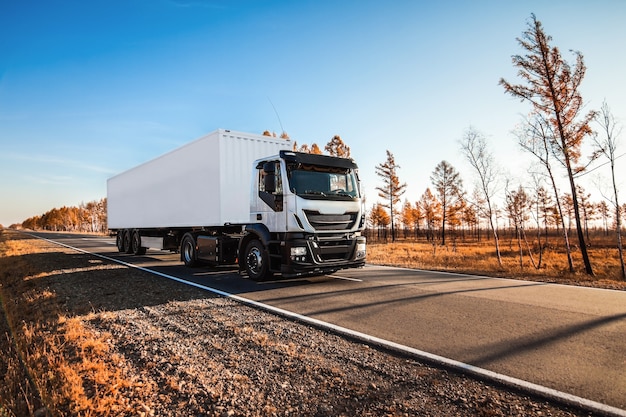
(242, 199)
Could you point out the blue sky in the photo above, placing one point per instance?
(90, 89)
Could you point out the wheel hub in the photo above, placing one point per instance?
(255, 260)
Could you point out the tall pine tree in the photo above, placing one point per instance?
(392, 190)
(552, 87)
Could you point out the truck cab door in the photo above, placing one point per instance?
(269, 196)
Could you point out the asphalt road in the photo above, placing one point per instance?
(567, 338)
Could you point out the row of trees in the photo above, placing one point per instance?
(468, 215)
(553, 133)
(87, 217)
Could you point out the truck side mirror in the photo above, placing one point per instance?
(269, 179)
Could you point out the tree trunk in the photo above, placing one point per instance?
(618, 221)
(579, 228)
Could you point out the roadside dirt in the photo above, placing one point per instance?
(85, 337)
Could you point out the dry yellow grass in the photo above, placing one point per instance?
(480, 258)
(55, 364)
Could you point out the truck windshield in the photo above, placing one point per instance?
(319, 182)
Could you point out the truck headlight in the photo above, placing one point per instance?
(360, 250)
(298, 253)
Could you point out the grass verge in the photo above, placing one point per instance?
(53, 365)
(479, 258)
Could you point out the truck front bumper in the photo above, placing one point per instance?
(316, 255)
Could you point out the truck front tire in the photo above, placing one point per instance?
(256, 261)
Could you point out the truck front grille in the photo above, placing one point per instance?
(335, 250)
(331, 221)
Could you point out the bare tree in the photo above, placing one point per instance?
(474, 147)
(545, 208)
(516, 202)
(392, 190)
(449, 186)
(607, 146)
(588, 209)
(541, 210)
(552, 87)
(567, 203)
(534, 137)
(605, 213)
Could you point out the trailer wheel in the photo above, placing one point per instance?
(188, 251)
(257, 261)
(128, 246)
(135, 244)
(119, 241)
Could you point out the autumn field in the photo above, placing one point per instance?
(479, 257)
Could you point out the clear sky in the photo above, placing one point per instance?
(91, 88)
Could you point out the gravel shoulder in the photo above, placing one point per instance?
(166, 349)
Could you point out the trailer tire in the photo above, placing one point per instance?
(119, 241)
(188, 251)
(135, 244)
(256, 261)
(128, 247)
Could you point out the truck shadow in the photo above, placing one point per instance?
(78, 284)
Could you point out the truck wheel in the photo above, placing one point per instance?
(188, 251)
(128, 247)
(135, 244)
(256, 261)
(119, 241)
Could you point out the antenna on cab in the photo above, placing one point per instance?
(277, 116)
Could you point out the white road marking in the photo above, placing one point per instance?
(108, 242)
(482, 373)
(346, 278)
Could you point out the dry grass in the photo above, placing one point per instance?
(54, 365)
(480, 258)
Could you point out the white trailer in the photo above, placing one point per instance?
(203, 183)
(234, 196)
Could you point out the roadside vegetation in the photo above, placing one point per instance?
(49, 357)
(88, 217)
(477, 257)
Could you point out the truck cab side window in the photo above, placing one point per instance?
(271, 185)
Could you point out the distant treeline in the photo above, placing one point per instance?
(88, 217)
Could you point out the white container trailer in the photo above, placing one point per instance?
(233, 197)
(203, 183)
